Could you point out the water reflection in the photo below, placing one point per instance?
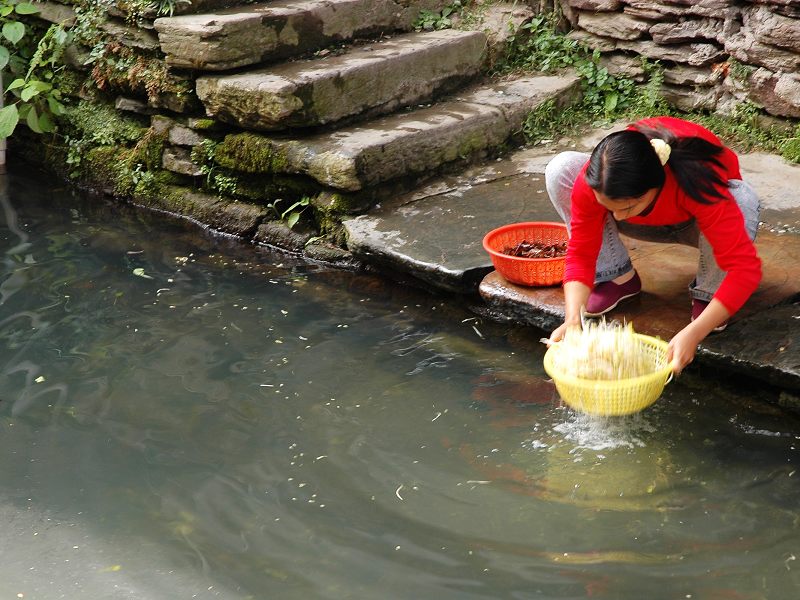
(185, 417)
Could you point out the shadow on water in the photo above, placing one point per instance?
(185, 416)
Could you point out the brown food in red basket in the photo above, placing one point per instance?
(526, 249)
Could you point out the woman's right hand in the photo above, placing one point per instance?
(559, 333)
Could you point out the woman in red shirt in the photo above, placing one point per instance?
(661, 179)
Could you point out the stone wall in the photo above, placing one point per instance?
(716, 53)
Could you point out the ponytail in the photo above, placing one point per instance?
(625, 165)
(693, 161)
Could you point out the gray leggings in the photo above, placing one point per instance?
(614, 260)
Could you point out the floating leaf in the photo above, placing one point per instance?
(139, 272)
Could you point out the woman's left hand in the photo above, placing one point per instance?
(683, 347)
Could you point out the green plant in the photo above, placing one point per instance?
(216, 178)
(33, 60)
(430, 20)
(291, 214)
(790, 147)
(538, 45)
(738, 71)
(88, 125)
(743, 128)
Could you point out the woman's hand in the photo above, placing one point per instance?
(559, 333)
(683, 346)
(575, 296)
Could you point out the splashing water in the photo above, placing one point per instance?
(602, 433)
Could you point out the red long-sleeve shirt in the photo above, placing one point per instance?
(721, 222)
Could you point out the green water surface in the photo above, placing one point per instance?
(185, 416)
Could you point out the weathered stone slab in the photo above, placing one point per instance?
(56, 13)
(696, 55)
(703, 8)
(772, 29)
(688, 30)
(180, 135)
(623, 65)
(778, 93)
(613, 25)
(595, 5)
(646, 13)
(178, 161)
(787, 8)
(133, 105)
(691, 98)
(236, 218)
(262, 32)
(438, 238)
(686, 75)
(411, 143)
(539, 307)
(277, 233)
(375, 79)
(133, 37)
(744, 47)
(766, 346)
(595, 42)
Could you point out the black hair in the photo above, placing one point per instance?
(625, 165)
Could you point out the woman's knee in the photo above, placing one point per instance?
(749, 203)
(564, 167)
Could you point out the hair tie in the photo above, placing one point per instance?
(662, 149)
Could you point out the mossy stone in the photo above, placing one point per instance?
(105, 167)
(250, 153)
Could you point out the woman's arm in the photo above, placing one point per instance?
(576, 294)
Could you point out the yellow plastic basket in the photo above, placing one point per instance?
(612, 397)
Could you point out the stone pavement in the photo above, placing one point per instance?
(435, 236)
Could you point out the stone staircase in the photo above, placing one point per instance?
(337, 100)
(367, 80)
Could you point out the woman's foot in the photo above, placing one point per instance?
(605, 296)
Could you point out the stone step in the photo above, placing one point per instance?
(411, 143)
(372, 79)
(248, 35)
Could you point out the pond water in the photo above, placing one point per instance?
(184, 416)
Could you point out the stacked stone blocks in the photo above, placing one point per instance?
(716, 53)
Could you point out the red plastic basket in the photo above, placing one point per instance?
(527, 271)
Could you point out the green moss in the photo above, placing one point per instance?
(335, 205)
(250, 153)
(106, 167)
(790, 148)
(204, 124)
(149, 149)
(68, 82)
(101, 124)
